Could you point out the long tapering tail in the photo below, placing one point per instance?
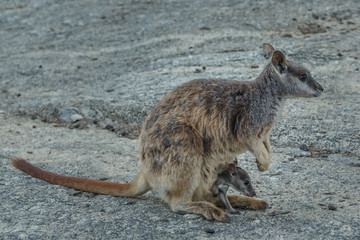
(139, 187)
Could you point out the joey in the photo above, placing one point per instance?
(234, 177)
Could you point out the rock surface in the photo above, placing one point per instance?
(77, 79)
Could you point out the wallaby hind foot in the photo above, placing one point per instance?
(247, 202)
(207, 210)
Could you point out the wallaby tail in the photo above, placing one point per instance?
(139, 187)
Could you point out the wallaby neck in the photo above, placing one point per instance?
(270, 85)
(224, 176)
(267, 99)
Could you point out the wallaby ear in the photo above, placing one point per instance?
(279, 61)
(235, 161)
(232, 168)
(268, 50)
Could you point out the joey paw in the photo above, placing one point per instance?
(234, 212)
(181, 212)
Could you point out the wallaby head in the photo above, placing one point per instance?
(238, 179)
(296, 80)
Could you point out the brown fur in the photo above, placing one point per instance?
(197, 129)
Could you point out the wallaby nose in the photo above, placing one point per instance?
(251, 194)
(321, 89)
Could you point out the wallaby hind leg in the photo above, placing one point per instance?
(180, 199)
(179, 195)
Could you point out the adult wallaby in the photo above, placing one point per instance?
(196, 130)
(234, 177)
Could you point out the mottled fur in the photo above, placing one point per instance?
(197, 129)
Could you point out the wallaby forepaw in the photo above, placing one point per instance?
(262, 167)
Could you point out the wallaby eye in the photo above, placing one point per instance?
(302, 77)
(246, 182)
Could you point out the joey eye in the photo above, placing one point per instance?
(302, 77)
(246, 182)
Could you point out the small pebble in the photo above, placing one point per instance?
(110, 127)
(77, 193)
(287, 35)
(76, 117)
(332, 208)
(123, 133)
(304, 147)
(209, 230)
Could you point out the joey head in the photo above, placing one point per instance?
(234, 177)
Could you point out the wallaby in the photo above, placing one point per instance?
(196, 130)
(234, 177)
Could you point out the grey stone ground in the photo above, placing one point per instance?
(110, 62)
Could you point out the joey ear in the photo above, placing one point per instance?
(231, 168)
(268, 50)
(279, 61)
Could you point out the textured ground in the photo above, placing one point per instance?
(110, 62)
